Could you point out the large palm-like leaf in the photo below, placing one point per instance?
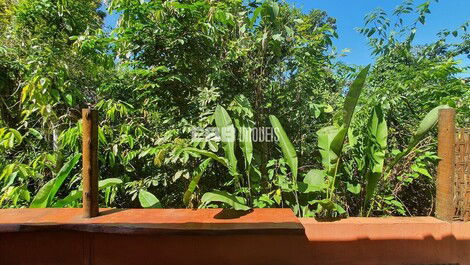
(227, 134)
(76, 195)
(348, 110)
(287, 148)
(195, 181)
(426, 124)
(326, 136)
(237, 203)
(47, 192)
(377, 134)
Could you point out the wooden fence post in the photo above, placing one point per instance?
(90, 162)
(445, 207)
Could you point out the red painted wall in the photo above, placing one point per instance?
(421, 240)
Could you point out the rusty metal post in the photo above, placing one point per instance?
(90, 162)
(445, 208)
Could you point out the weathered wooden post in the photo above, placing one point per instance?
(90, 162)
(445, 208)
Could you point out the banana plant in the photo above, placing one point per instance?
(227, 133)
(348, 111)
(377, 145)
(377, 133)
(244, 126)
(426, 124)
(331, 141)
(289, 154)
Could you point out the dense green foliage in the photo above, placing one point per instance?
(352, 140)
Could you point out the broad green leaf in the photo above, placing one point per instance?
(326, 137)
(227, 134)
(36, 133)
(426, 124)
(42, 197)
(25, 194)
(377, 133)
(76, 195)
(246, 144)
(101, 136)
(241, 106)
(17, 136)
(314, 181)
(348, 110)
(208, 154)
(195, 181)
(354, 189)
(304, 188)
(287, 148)
(353, 96)
(237, 203)
(63, 174)
(255, 16)
(315, 177)
(339, 208)
(47, 193)
(273, 10)
(148, 200)
(110, 182)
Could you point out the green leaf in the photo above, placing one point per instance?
(314, 181)
(315, 177)
(237, 203)
(421, 170)
(426, 124)
(348, 110)
(208, 154)
(287, 148)
(255, 16)
(353, 96)
(110, 182)
(326, 136)
(148, 200)
(42, 197)
(339, 209)
(76, 195)
(17, 136)
(36, 133)
(377, 133)
(246, 145)
(273, 10)
(63, 174)
(101, 136)
(227, 134)
(195, 181)
(69, 99)
(47, 193)
(354, 189)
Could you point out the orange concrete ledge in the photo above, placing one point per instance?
(384, 228)
(389, 240)
(156, 221)
(214, 236)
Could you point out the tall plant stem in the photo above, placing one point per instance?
(332, 188)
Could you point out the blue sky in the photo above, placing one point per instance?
(349, 14)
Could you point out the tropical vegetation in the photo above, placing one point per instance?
(352, 140)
